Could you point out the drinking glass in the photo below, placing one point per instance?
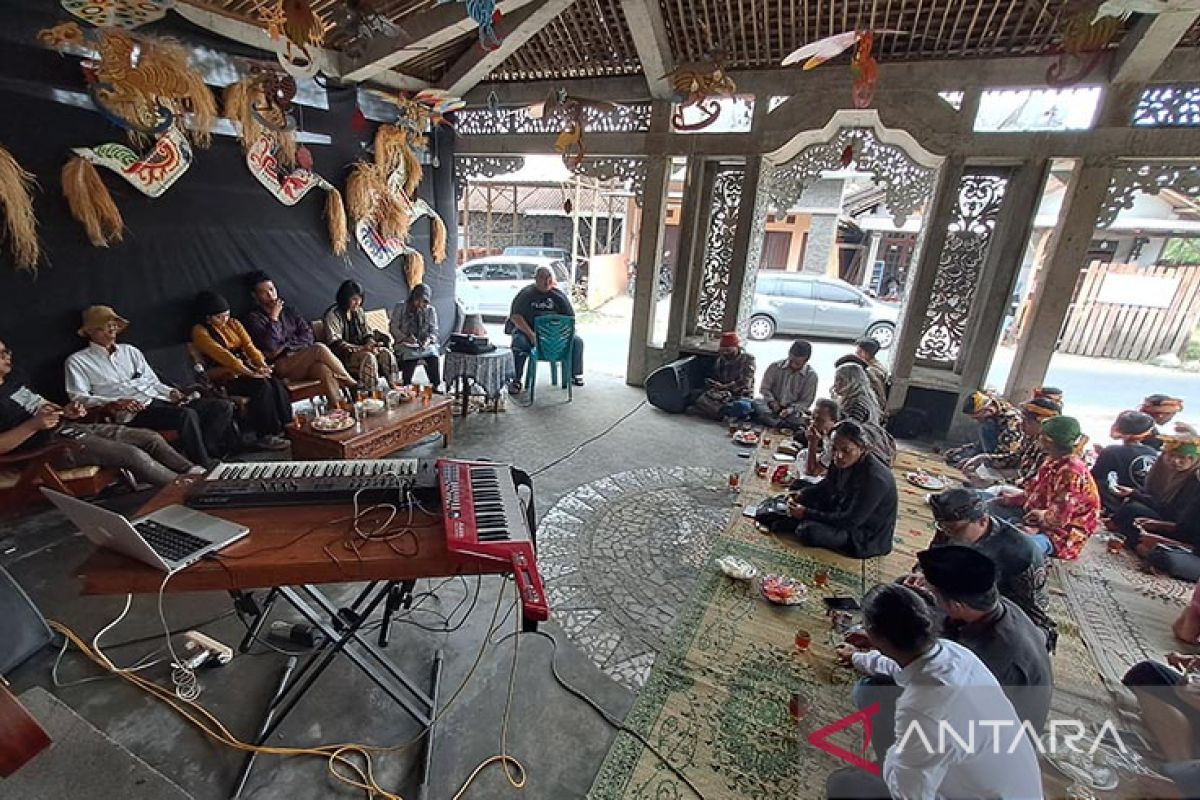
(803, 641)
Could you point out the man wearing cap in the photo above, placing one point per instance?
(1121, 469)
(788, 389)
(1061, 504)
(942, 686)
(29, 421)
(865, 352)
(116, 379)
(962, 519)
(728, 390)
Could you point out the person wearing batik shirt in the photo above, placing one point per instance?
(1000, 435)
(1061, 503)
(1033, 413)
(728, 391)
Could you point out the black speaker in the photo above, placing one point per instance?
(23, 630)
(672, 387)
(937, 408)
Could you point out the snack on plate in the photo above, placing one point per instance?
(334, 421)
(782, 590)
(925, 480)
(737, 568)
(745, 437)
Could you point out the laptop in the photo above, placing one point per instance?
(170, 539)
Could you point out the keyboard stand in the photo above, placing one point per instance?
(341, 628)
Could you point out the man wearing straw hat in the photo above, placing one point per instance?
(115, 378)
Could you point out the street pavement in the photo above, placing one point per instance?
(1095, 390)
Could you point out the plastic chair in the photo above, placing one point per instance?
(556, 335)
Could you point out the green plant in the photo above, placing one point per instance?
(1181, 251)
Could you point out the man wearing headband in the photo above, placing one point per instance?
(728, 391)
(999, 444)
(1163, 408)
(1161, 514)
(1120, 470)
(788, 389)
(1033, 413)
(852, 511)
(961, 518)
(1061, 504)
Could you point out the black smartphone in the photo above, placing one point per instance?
(71, 432)
(841, 604)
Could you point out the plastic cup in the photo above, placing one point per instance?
(734, 480)
(821, 579)
(803, 641)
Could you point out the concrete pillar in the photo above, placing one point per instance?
(640, 361)
(872, 256)
(689, 264)
(1051, 298)
(992, 298)
(743, 271)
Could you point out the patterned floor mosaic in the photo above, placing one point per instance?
(620, 556)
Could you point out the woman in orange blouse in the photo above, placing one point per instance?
(234, 362)
(1062, 504)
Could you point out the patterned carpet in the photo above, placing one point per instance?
(716, 702)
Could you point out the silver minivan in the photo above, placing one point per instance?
(815, 305)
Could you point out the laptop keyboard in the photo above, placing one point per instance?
(170, 543)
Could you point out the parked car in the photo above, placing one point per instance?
(814, 305)
(494, 281)
(563, 258)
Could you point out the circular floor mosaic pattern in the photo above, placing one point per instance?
(621, 555)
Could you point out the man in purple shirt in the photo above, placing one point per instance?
(285, 338)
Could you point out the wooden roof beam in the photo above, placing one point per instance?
(419, 33)
(329, 62)
(520, 27)
(649, 31)
(1148, 44)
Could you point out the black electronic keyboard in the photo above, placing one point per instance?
(306, 483)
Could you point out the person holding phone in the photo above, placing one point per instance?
(29, 421)
(1121, 469)
(1171, 485)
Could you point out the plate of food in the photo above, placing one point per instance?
(404, 394)
(782, 590)
(925, 480)
(737, 568)
(745, 437)
(333, 422)
(373, 406)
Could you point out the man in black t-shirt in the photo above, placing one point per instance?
(535, 300)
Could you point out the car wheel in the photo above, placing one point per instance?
(882, 332)
(761, 328)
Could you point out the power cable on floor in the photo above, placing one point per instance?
(587, 441)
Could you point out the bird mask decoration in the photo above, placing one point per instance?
(863, 66)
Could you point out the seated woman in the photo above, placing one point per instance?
(366, 353)
(854, 395)
(728, 391)
(1171, 485)
(852, 511)
(999, 432)
(1121, 469)
(415, 330)
(1061, 503)
(234, 362)
(819, 435)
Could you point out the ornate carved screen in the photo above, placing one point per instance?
(625, 118)
(468, 167)
(723, 208)
(1168, 107)
(1131, 178)
(969, 236)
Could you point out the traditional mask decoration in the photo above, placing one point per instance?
(146, 87)
(383, 203)
(127, 14)
(1121, 9)
(16, 210)
(485, 14)
(294, 26)
(1085, 36)
(260, 106)
(863, 66)
(697, 84)
(361, 22)
(573, 111)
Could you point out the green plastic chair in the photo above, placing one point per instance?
(555, 334)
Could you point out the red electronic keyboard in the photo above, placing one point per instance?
(484, 516)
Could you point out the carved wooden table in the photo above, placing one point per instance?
(378, 435)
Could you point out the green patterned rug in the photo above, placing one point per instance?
(716, 703)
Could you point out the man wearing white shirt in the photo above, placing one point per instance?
(117, 378)
(957, 734)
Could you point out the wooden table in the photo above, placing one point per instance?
(379, 434)
(289, 550)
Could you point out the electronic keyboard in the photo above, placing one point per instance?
(300, 483)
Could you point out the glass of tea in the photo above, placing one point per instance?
(799, 705)
(734, 480)
(766, 439)
(1116, 544)
(821, 579)
(803, 641)
(428, 393)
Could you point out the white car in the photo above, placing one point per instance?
(489, 284)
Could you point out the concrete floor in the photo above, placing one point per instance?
(560, 741)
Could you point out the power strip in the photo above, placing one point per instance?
(200, 650)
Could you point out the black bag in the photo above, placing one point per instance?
(772, 513)
(908, 423)
(469, 344)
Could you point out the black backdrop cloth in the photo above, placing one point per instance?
(209, 229)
